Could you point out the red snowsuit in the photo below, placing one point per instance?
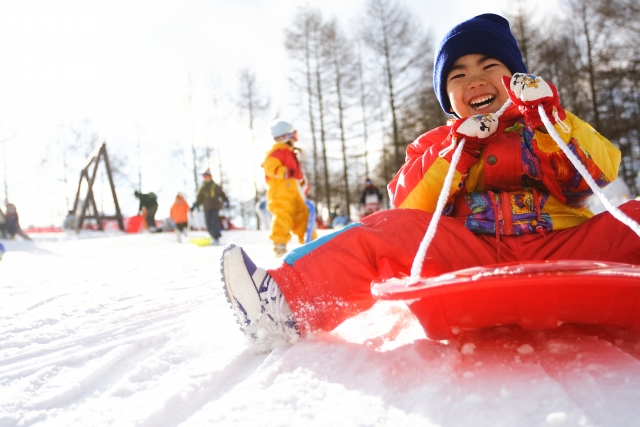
(521, 200)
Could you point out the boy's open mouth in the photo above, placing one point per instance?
(482, 101)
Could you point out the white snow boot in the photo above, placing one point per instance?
(262, 312)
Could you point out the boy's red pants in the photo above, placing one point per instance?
(328, 281)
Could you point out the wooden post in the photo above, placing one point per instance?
(89, 200)
(113, 187)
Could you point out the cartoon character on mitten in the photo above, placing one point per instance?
(527, 91)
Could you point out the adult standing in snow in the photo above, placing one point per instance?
(12, 223)
(370, 199)
(212, 198)
(179, 214)
(284, 178)
(149, 202)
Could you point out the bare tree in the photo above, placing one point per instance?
(341, 57)
(216, 99)
(363, 103)
(299, 39)
(401, 48)
(591, 54)
(522, 29)
(254, 104)
(194, 154)
(138, 147)
(320, 70)
(595, 31)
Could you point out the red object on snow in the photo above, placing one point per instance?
(133, 224)
(535, 295)
(43, 230)
(227, 224)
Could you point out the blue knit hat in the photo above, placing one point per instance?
(487, 34)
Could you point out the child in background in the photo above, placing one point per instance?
(283, 174)
(2, 225)
(12, 223)
(514, 197)
(370, 198)
(148, 208)
(179, 214)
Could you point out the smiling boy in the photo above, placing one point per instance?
(474, 85)
(514, 197)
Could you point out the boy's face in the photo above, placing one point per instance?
(474, 85)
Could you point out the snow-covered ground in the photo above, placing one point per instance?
(135, 331)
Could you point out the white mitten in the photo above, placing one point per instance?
(530, 89)
(475, 127)
(527, 91)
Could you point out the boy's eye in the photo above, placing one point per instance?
(456, 76)
(490, 66)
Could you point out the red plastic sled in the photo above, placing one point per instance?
(536, 295)
(133, 224)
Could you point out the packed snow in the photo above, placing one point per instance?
(134, 330)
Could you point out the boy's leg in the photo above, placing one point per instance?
(207, 221)
(329, 280)
(179, 230)
(601, 238)
(151, 217)
(215, 224)
(282, 221)
(300, 219)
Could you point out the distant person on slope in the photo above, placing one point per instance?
(284, 178)
(212, 198)
(3, 233)
(150, 203)
(12, 223)
(69, 221)
(370, 199)
(179, 214)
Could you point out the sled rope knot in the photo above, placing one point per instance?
(418, 261)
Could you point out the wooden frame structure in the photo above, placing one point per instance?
(89, 201)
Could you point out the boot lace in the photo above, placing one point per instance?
(275, 303)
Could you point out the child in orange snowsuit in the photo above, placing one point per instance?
(179, 214)
(514, 197)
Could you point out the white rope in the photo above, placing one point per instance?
(502, 109)
(617, 213)
(416, 268)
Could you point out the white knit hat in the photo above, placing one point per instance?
(280, 128)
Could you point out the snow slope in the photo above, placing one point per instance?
(135, 331)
